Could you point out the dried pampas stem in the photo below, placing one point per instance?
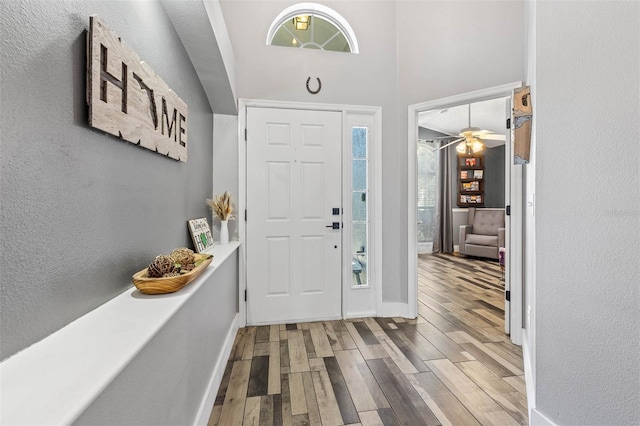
(221, 206)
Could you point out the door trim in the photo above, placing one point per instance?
(412, 239)
(376, 189)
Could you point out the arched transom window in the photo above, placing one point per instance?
(312, 26)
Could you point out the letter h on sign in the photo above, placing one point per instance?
(107, 77)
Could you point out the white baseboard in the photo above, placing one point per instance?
(366, 314)
(395, 309)
(528, 360)
(536, 418)
(216, 377)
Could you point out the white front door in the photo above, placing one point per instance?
(293, 186)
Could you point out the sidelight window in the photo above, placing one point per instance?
(360, 206)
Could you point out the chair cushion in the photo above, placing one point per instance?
(487, 222)
(482, 240)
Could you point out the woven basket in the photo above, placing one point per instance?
(148, 285)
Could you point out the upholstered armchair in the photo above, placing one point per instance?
(483, 234)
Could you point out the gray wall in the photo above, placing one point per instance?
(398, 65)
(82, 210)
(494, 177)
(225, 166)
(587, 225)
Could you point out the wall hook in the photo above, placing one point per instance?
(313, 92)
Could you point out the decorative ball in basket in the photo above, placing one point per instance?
(169, 273)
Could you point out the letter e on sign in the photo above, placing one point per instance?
(127, 99)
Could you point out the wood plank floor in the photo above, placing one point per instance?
(453, 365)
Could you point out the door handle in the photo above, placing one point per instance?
(334, 225)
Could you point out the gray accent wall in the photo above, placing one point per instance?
(81, 210)
(494, 177)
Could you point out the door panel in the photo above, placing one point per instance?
(312, 177)
(278, 255)
(293, 182)
(279, 190)
(312, 266)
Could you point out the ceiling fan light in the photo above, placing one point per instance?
(461, 147)
(477, 146)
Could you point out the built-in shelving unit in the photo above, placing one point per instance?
(470, 181)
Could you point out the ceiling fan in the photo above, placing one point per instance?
(471, 139)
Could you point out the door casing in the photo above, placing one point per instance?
(375, 182)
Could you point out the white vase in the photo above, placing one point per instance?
(224, 232)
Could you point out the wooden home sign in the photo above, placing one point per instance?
(522, 114)
(127, 99)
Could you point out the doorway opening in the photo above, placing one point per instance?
(432, 127)
(481, 185)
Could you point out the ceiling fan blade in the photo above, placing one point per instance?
(492, 137)
(451, 143)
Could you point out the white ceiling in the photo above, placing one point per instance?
(486, 115)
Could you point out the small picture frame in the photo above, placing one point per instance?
(470, 162)
(200, 234)
(478, 174)
(464, 174)
(471, 186)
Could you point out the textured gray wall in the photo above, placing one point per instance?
(81, 210)
(587, 213)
